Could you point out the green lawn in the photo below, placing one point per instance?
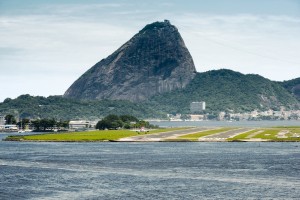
(243, 136)
(271, 134)
(86, 136)
(294, 130)
(287, 127)
(196, 136)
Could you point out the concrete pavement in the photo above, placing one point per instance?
(223, 136)
(163, 136)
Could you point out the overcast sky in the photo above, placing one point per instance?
(46, 45)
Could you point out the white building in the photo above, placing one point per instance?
(79, 124)
(196, 107)
(9, 128)
(82, 124)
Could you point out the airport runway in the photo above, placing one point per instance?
(161, 136)
(223, 136)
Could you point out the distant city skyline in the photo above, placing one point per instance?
(46, 45)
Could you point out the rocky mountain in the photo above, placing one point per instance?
(151, 75)
(154, 61)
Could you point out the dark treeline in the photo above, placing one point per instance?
(49, 124)
(43, 124)
(38, 124)
(57, 107)
(123, 121)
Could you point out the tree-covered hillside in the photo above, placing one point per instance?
(293, 86)
(222, 90)
(26, 106)
(227, 90)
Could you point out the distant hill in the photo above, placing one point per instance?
(227, 90)
(222, 90)
(155, 67)
(293, 86)
(151, 75)
(26, 106)
(154, 61)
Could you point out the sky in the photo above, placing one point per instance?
(46, 45)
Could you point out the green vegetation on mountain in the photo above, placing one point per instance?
(226, 90)
(293, 86)
(222, 90)
(57, 107)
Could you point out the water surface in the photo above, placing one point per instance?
(149, 170)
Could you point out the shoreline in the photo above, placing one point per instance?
(187, 134)
(136, 141)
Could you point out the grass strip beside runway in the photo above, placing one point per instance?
(282, 134)
(86, 136)
(243, 135)
(196, 136)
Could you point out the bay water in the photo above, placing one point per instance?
(155, 170)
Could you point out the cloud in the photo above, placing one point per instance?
(63, 41)
(43, 39)
(247, 43)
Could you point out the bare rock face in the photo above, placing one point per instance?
(154, 61)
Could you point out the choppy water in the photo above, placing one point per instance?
(149, 170)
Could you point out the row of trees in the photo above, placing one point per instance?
(123, 121)
(10, 119)
(58, 107)
(49, 124)
(38, 125)
(109, 122)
